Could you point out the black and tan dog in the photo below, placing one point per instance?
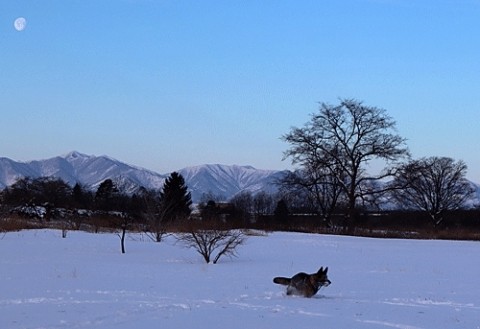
(304, 284)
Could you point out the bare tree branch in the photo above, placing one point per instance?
(435, 185)
(341, 140)
(207, 242)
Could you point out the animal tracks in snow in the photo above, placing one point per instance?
(55, 283)
(427, 303)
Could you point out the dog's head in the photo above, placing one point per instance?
(321, 277)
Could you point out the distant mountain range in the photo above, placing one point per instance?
(220, 180)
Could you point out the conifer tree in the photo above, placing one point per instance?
(175, 198)
(81, 197)
(105, 195)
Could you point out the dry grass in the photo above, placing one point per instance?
(14, 223)
(10, 223)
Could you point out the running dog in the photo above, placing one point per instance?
(303, 284)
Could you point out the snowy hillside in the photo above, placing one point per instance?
(84, 282)
(11, 171)
(91, 171)
(226, 181)
(223, 181)
(77, 167)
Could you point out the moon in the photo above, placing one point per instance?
(20, 24)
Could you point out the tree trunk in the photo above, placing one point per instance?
(122, 239)
(351, 213)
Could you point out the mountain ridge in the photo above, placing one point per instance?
(216, 180)
(223, 181)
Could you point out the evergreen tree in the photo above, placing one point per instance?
(106, 194)
(81, 197)
(175, 198)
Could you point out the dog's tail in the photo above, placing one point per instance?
(282, 281)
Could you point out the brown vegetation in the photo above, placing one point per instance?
(144, 212)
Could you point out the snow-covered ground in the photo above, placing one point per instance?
(84, 282)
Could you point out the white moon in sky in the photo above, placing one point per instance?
(20, 24)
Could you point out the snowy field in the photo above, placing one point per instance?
(84, 282)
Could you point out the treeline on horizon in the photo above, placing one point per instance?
(48, 201)
(331, 190)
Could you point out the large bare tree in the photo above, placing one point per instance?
(434, 185)
(342, 140)
(320, 189)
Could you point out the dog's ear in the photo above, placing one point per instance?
(325, 270)
(320, 270)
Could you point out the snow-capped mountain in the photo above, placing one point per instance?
(85, 169)
(91, 171)
(221, 181)
(474, 201)
(226, 181)
(11, 171)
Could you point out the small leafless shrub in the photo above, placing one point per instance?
(155, 235)
(212, 243)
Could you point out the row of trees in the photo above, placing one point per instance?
(332, 153)
(152, 212)
(432, 185)
(53, 193)
(156, 209)
(333, 150)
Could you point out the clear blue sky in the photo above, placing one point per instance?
(166, 84)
